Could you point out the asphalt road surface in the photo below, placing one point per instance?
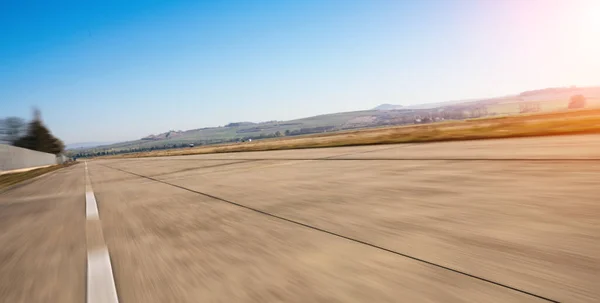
(486, 221)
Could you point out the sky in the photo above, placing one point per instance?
(119, 70)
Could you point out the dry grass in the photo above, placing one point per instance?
(7, 180)
(561, 123)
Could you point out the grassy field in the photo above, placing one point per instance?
(7, 180)
(561, 123)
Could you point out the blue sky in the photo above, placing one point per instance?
(118, 70)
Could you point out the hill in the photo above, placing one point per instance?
(388, 107)
(556, 95)
(81, 145)
(544, 100)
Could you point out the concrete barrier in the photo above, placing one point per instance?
(12, 158)
(61, 159)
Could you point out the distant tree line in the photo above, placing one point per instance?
(106, 152)
(115, 151)
(310, 130)
(34, 135)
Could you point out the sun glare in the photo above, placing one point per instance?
(592, 20)
(587, 30)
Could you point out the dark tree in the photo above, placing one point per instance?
(11, 129)
(39, 138)
(577, 101)
(287, 132)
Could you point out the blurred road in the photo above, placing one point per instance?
(486, 221)
(42, 239)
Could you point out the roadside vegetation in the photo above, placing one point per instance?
(33, 135)
(529, 125)
(7, 180)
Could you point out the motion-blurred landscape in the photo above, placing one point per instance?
(549, 100)
(380, 151)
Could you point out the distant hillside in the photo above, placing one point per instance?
(540, 95)
(424, 105)
(544, 100)
(87, 145)
(388, 107)
(420, 106)
(168, 135)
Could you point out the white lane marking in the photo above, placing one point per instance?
(100, 282)
(91, 207)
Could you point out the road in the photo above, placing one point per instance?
(484, 221)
